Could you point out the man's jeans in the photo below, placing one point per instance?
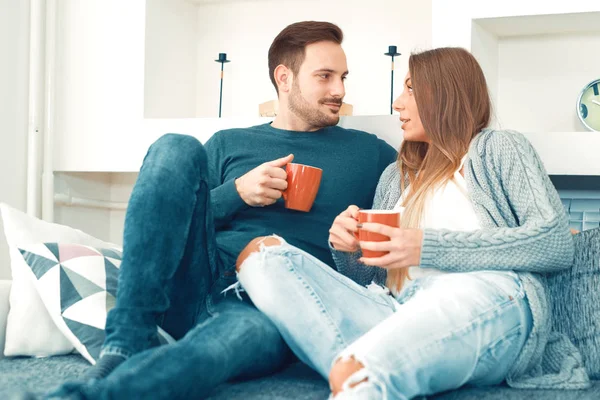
(170, 276)
(441, 332)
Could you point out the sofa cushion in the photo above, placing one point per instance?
(39, 375)
(575, 300)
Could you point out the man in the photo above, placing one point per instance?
(194, 208)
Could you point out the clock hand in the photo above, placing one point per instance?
(596, 102)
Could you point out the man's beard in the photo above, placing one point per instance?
(313, 116)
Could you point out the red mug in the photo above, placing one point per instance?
(303, 185)
(384, 217)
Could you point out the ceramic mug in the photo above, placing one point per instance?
(384, 217)
(303, 185)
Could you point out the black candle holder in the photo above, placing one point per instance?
(392, 52)
(222, 59)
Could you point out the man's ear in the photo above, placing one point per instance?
(283, 77)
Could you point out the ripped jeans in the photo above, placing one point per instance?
(440, 333)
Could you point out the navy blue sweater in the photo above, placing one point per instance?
(352, 162)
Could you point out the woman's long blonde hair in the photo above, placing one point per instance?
(454, 105)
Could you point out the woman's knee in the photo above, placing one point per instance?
(341, 371)
(254, 247)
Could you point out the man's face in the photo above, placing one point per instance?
(318, 89)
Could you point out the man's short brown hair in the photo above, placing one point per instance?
(289, 47)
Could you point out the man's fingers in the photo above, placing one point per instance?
(280, 162)
(274, 183)
(272, 194)
(276, 173)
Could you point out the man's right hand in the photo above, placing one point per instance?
(341, 233)
(264, 185)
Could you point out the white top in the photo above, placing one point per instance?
(448, 207)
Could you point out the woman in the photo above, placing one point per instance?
(464, 297)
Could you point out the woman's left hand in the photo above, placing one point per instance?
(404, 246)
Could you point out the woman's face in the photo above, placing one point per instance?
(409, 114)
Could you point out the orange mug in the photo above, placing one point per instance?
(384, 217)
(303, 184)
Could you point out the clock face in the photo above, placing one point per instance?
(589, 106)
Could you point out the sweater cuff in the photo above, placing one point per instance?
(339, 255)
(226, 200)
(429, 248)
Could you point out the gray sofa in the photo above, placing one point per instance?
(298, 382)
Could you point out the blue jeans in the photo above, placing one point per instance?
(440, 333)
(171, 276)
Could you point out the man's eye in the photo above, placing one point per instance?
(324, 76)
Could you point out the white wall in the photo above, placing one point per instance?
(245, 29)
(452, 20)
(96, 186)
(120, 191)
(170, 60)
(540, 78)
(99, 72)
(537, 56)
(99, 95)
(14, 75)
(112, 71)
(484, 46)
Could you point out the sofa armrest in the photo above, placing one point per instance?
(4, 306)
(575, 298)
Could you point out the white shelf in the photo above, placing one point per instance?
(549, 24)
(122, 148)
(537, 56)
(201, 2)
(536, 67)
(568, 153)
(563, 153)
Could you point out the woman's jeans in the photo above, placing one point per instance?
(440, 333)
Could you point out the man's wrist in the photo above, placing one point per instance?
(238, 189)
(237, 186)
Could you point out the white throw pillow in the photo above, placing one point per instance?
(30, 330)
(78, 285)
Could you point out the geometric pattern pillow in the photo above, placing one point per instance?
(78, 285)
(30, 331)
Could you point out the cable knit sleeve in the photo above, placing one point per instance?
(386, 193)
(509, 186)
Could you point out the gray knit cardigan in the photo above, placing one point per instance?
(524, 229)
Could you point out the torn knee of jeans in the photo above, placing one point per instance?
(348, 374)
(237, 287)
(345, 374)
(256, 245)
(378, 289)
